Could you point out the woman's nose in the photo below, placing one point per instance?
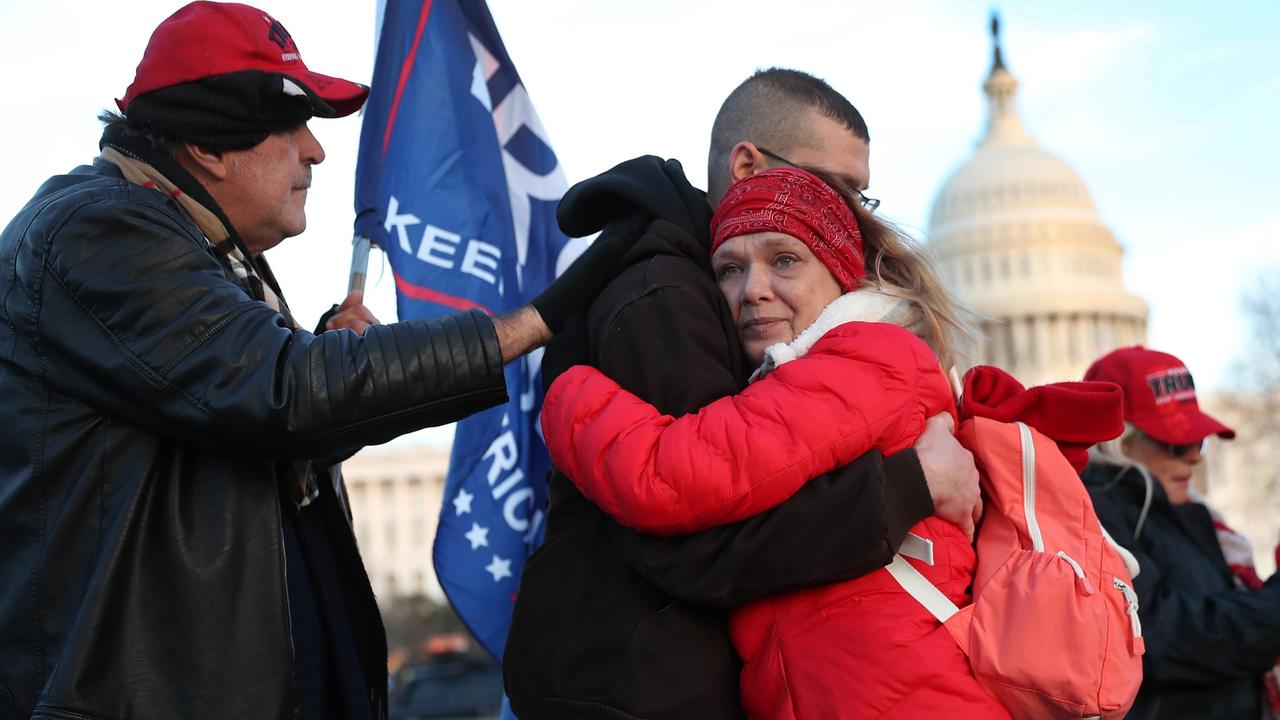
(758, 285)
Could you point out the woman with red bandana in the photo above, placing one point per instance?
(848, 323)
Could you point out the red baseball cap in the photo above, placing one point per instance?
(208, 39)
(1159, 395)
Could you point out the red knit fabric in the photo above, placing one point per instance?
(1075, 415)
(796, 203)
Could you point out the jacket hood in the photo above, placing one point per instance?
(648, 187)
(648, 198)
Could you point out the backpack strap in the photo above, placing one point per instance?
(919, 587)
(914, 546)
(1130, 562)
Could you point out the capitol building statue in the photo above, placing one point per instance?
(1018, 238)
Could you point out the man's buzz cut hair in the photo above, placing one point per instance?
(763, 110)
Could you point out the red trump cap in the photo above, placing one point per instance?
(1159, 395)
(210, 39)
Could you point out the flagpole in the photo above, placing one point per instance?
(482, 235)
(359, 263)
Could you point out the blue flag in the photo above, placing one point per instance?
(457, 182)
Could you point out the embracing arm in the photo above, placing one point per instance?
(838, 526)
(862, 386)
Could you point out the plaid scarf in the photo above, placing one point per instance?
(138, 161)
(215, 230)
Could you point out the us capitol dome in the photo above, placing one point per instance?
(1018, 238)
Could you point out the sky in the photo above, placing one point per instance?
(1166, 109)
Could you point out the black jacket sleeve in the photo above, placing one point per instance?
(139, 319)
(668, 346)
(1194, 637)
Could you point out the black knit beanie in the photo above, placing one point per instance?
(235, 111)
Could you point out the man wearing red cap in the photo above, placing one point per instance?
(176, 540)
(1212, 627)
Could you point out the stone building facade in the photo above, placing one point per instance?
(1018, 238)
(396, 494)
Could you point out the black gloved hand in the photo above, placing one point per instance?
(324, 319)
(568, 348)
(583, 280)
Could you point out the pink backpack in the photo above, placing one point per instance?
(1053, 629)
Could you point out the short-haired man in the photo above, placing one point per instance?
(175, 544)
(791, 118)
(613, 624)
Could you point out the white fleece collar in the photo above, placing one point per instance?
(862, 305)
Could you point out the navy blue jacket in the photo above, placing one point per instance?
(1208, 643)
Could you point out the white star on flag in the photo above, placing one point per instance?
(462, 503)
(477, 535)
(499, 568)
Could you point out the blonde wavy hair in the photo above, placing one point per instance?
(1111, 452)
(899, 266)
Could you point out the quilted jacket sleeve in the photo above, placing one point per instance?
(136, 316)
(863, 386)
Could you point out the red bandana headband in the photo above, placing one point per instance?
(796, 203)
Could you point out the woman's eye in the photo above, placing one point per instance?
(727, 270)
(785, 260)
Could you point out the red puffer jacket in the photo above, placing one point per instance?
(857, 649)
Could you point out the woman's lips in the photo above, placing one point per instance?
(760, 325)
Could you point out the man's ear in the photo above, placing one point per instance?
(745, 160)
(209, 162)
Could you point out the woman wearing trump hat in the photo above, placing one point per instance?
(1212, 627)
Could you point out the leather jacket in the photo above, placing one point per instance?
(150, 408)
